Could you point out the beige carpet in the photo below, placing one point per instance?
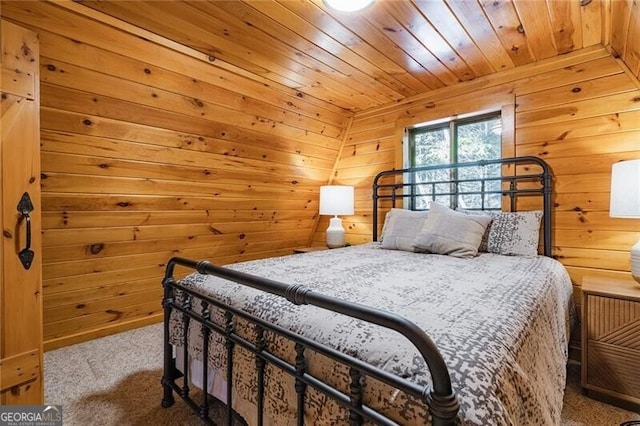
(115, 380)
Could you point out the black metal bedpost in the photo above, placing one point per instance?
(512, 195)
(443, 409)
(206, 316)
(168, 374)
(229, 330)
(548, 189)
(186, 304)
(260, 363)
(355, 388)
(300, 386)
(375, 209)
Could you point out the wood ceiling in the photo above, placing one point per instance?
(390, 51)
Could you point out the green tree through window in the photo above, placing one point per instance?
(458, 141)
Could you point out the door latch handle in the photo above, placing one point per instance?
(25, 206)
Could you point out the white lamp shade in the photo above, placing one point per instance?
(625, 201)
(336, 200)
(625, 189)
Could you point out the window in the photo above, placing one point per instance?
(462, 140)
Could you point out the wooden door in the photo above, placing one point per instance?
(21, 254)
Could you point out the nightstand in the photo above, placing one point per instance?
(309, 249)
(611, 340)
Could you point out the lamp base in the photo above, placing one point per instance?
(335, 233)
(635, 262)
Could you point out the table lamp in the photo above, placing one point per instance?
(625, 201)
(336, 200)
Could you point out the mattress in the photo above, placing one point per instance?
(501, 323)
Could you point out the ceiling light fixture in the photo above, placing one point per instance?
(348, 5)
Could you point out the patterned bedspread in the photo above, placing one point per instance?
(500, 322)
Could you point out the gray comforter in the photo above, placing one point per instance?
(500, 322)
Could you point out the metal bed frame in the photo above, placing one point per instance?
(439, 398)
(536, 184)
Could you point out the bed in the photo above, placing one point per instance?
(417, 328)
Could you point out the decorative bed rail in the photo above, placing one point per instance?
(442, 403)
(450, 180)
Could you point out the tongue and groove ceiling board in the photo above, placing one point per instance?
(390, 51)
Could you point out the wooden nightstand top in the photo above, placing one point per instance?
(309, 249)
(612, 287)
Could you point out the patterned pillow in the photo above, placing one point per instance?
(449, 232)
(521, 240)
(515, 233)
(400, 228)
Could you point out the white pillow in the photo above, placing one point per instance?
(482, 248)
(449, 232)
(400, 228)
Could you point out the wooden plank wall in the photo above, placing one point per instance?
(150, 151)
(625, 33)
(580, 112)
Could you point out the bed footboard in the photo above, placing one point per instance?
(439, 399)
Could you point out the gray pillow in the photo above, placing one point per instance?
(515, 233)
(449, 232)
(510, 233)
(400, 228)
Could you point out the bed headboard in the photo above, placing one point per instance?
(480, 185)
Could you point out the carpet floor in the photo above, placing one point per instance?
(115, 380)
